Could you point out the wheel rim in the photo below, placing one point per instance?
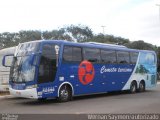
(133, 88)
(64, 94)
(141, 86)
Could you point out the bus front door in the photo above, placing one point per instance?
(47, 71)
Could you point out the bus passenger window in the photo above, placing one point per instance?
(67, 53)
(72, 54)
(134, 56)
(108, 56)
(123, 57)
(76, 54)
(92, 55)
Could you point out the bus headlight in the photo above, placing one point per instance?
(31, 86)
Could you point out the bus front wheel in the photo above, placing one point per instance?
(65, 94)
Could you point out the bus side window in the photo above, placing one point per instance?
(147, 58)
(134, 56)
(108, 56)
(123, 57)
(76, 54)
(72, 54)
(67, 53)
(92, 55)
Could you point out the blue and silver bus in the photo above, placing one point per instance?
(60, 69)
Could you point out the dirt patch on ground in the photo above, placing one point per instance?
(4, 93)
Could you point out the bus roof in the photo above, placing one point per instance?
(93, 44)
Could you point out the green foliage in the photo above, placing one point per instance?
(108, 39)
(140, 45)
(79, 33)
(56, 35)
(70, 33)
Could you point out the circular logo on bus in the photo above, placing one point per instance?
(86, 72)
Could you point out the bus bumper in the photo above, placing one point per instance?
(27, 93)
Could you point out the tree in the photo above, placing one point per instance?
(140, 45)
(79, 33)
(108, 39)
(31, 35)
(56, 35)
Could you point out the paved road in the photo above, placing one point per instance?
(147, 102)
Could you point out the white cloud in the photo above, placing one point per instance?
(139, 22)
(133, 19)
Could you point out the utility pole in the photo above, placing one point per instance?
(103, 29)
(159, 10)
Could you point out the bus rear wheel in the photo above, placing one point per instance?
(133, 87)
(141, 86)
(65, 94)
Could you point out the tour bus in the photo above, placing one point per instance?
(4, 71)
(60, 69)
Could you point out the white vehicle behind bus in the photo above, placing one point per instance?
(5, 71)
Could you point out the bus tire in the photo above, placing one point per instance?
(133, 87)
(141, 86)
(65, 94)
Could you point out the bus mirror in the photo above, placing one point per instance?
(7, 60)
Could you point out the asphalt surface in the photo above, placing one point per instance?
(117, 102)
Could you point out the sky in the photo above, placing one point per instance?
(132, 19)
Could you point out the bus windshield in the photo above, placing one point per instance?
(27, 48)
(22, 70)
